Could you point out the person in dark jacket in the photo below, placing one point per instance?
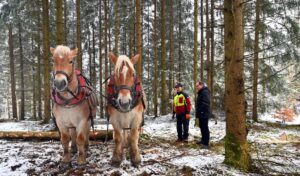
(203, 112)
(182, 108)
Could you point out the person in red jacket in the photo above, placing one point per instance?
(182, 108)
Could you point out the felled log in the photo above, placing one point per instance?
(50, 135)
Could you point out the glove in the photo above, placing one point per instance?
(173, 116)
(187, 116)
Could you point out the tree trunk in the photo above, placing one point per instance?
(212, 60)
(179, 61)
(65, 22)
(12, 73)
(195, 43)
(93, 66)
(236, 146)
(22, 105)
(164, 100)
(47, 108)
(155, 60)
(50, 135)
(255, 62)
(34, 78)
(78, 35)
(39, 65)
(100, 60)
(208, 59)
(202, 44)
(59, 23)
(116, 27)
(171, 68)
(139, 38)
(105, 49)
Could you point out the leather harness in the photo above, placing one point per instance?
(84, 90)
(135, 91)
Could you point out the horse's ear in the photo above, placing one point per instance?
(135, 59)
(112, 57)
(52, 50)
(73, 53)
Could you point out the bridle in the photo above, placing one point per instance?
(135, 92)
(69, 79)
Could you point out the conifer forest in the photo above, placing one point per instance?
(246, 52)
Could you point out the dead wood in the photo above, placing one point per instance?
(50, 135)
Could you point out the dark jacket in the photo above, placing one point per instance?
(203, 103)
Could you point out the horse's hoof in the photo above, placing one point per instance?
(136, 163)
(115, 163)
(64, 165)
(81, 166)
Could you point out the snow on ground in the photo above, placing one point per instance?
(274, 151)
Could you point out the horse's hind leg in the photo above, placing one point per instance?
(73, 140)
(118, 152)
(134, 149)
(65, 139)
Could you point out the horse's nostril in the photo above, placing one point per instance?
(60, 84)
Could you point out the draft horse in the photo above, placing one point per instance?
(126, 105)
(74, 104)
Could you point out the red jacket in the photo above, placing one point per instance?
(182, 103)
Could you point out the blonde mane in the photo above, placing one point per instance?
(120, 68)
(61, 51)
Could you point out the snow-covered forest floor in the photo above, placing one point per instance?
(274, 150)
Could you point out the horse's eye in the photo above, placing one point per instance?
(71, 62)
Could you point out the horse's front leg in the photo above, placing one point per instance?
(81, 141)
(134, 148)
(73, 140)
(118, 152)
(65, 140)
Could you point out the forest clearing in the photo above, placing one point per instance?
(216, 84)
(274, 150)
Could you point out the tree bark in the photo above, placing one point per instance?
(59, 23)
(212, 60)
(164, 100)
(202, 43)
(255, 62)
(39, 65)
(171, 57)
(155, 60)
(100, 60)
(195, 43)
(236, 145)
(22, 105)
(47, 111)
(65, 23)
(116, 27)
(12, 73)
(139, 38)
(208, 59)
(105, 49)
(78, 35)
(179, 67)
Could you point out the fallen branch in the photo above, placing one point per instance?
(49, 135)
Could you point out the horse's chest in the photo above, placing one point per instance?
(123, 120)
(70, 117)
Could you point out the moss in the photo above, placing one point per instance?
(237, 153)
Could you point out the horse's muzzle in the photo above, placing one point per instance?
(60, 85)
(125, 106)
